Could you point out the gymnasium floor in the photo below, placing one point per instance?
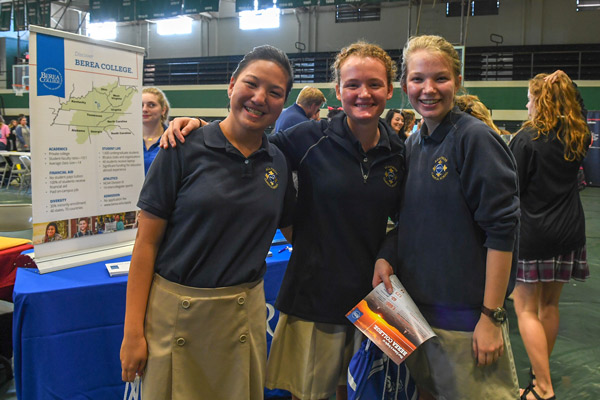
(575, 362)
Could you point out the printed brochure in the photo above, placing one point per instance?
(392, 321)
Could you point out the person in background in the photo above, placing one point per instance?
(395, 119)
(52, 233)
(195, 315)
(307, 106)
(84, 228)
(350, 174)
(453, 248)
(409, 122)
(23, 135)
(120, 225)
(419, 125)
(472, 105)
(12, 136)
(155, 114)
(549, 150)
(4, 133)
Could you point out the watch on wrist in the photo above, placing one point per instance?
(498, 315)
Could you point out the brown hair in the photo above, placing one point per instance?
(364, 49)
(409, 116)
(556, 107)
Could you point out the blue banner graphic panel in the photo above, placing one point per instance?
(51, 66)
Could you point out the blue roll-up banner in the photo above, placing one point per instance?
(51, 66)
(591, 163)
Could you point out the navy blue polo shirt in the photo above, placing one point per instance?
(345, 196)
(291, 116)
(222, 208)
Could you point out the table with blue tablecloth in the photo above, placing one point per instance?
(68, 327)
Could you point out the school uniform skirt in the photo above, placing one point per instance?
(205, 343)
(556, 269)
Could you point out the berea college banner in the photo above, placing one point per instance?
(87, 156)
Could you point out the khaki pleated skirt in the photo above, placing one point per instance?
(310, 359)
(205, 343)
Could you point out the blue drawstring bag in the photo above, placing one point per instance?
(373, 376)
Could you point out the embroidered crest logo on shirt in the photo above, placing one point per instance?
(271, 178)
(440, 169)
(390, 176)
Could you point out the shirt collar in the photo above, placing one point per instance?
(214, 137)
(442, 130)
(339, 127)
(152, 146)
(300, 109)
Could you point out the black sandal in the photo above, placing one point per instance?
(530, 389)
(530, 386)
(531, 377)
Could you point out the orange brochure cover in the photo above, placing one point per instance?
(392, 321)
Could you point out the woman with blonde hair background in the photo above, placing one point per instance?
(155, 114)
(471, 104)
(549, 150)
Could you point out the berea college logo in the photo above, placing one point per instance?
(51, 78)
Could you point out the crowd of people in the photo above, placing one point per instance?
(466, 207)
(15, 136)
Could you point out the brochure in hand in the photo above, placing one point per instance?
(392, 321)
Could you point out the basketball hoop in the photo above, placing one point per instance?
(20, 79)
(20, 89)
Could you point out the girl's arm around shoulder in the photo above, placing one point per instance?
(134, 351)
(295, 141)
(288, 207)
(178, 129)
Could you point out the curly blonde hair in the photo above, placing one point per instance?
(556, 107)
(364, 49)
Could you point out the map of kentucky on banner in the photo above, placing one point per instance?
(87, 155)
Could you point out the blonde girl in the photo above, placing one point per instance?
(155, 114)
(549, 150)
(457, 230)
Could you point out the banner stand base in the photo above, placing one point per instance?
(87, 256)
